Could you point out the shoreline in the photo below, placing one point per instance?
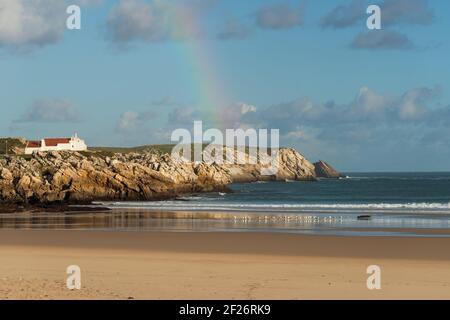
(51, 208)
(155, 221)
(162, 265)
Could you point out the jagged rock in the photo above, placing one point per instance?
(72, 177)
(294, 166)
(324, 170)
(288, 165)
(5, 174)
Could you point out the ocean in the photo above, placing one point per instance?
(378, 204)
(358, 193)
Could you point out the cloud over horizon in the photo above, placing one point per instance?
(368, 108)
(371, 123)
(132, 121)
(367, 112)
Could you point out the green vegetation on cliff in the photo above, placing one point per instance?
(162, 148)
(11, 145)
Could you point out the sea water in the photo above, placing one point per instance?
(380, 204)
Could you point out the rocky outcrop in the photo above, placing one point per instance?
(293, 166)
(324, 170)
(71, 177)
(289, 164)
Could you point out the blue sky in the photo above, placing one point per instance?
(362, 100)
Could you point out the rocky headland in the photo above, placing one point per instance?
(324, 170)
(75, 178)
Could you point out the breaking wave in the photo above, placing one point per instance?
(305, 207)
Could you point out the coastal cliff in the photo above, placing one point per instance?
(72, 177)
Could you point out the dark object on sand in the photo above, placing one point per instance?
(364, 217)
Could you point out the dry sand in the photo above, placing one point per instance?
(117, 265)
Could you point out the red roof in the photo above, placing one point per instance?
(53, 142)
(33, 144)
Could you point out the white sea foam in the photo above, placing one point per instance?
(341, 207)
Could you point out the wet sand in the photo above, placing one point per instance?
(122, 265)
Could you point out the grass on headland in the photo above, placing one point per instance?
(157, 148)
(9, 145)
(162, 148)
(16, 144)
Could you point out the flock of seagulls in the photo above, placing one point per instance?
(289, 219)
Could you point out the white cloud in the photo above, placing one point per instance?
(382, 39)
(134, 19)
(297, 134)
(407, 12)
(413, 104)
(143, 21)
(50, 111)
(87, 2)
(237, 115)
(31, 23)
(280, 16)
(234, 29)
(305, 118)
(132, 121)
(393, 12)
(344, 15)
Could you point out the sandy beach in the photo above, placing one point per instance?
(121, 265)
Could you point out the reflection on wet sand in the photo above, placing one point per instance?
(146, 220)
(137, 220)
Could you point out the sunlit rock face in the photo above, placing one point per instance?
(73, 177)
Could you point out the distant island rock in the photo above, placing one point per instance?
(324, 170)
(74, 177)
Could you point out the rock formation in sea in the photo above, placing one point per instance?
(324, 170)
(71, 177)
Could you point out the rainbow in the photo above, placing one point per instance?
(209, 92)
